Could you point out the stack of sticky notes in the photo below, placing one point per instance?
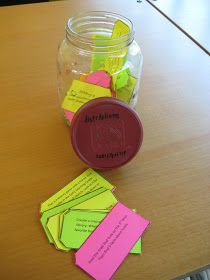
(85, 215)
(110, 76)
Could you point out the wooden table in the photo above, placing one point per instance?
(192, 17)
(168, 182)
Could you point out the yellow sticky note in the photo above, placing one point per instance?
(115, 60)
(65, 206)
(120, 29)
(80, 93)
(102, 201)
(87, 182)
(126, 92)
(98, 57)
(53, 226)
(112, 61)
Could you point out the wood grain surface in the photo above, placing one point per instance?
(169, 180)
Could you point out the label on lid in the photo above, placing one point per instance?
(106, 133)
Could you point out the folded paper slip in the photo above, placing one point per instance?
(78, 225)
(85, 183)
(106, 248)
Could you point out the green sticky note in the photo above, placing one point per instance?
(79, 224)
(125, 93)
(60, 208)
(98, 58)
(137, 249)
(107, 59)
(53, 228)
(87, 182)
(115, 61)
(121, 79)
(98, 61)
(80, 93)
(104, 200)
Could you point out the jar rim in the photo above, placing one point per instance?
(85, 19)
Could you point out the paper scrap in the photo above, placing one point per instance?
(105, 249)
(80, 93)
(115, 60)
(100, 78)
(98, 57)
(109, 59)
(120, 29)
(53, 227)
(121, 79)
(69, 115)
(125, 93)
(137, 249)
(103, 201)
(61, 208)
(79, 224)
(87, 182)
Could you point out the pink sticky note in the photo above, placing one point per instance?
(106, 248)
(100, 78)
(69, 115)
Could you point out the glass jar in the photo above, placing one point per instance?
(101, 43)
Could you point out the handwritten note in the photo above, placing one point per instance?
(105, 249)
(87, 182)
(79, 224)
(63, 207)
(103, 201)
(112, 60)
(80, 93)
(115, 60)
(98, 57)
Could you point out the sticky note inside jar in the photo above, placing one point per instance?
(98, 58)
(125, 93)
(80, 93)
(114, 63)
(100, 78)
(111, 62)
(120, 29)
(121, 78)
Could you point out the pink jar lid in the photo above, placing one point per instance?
(106, 133)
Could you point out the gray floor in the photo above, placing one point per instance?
(199, 274)
(203, 275)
